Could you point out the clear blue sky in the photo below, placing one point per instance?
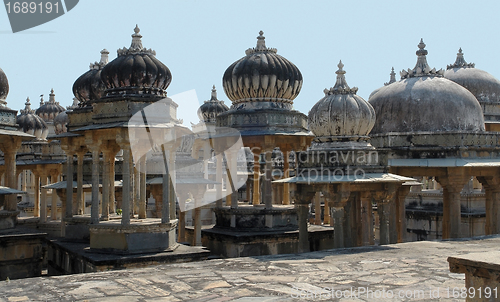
(198, 40)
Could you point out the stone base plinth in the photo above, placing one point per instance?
(482, 275)
(8, 219)
(257, 219)
(77, 227)
(140, 236)
(76, 257)
(21, 253)
(227, 243)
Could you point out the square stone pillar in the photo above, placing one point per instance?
(401, 212)
(452, 184)
(69, 185)
(256, 178)
(80, 208)
(43, 198)
(126, 176)
(94, 207)
(368, 237)
(105, 186)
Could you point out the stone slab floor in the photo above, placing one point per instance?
(416, 271)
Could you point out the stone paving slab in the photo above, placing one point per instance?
(357, 274)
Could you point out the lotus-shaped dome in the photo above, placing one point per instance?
(423, 100)
(89, 86)
(30, 123)
(49, 110)
(4, 87)
(210, 109)
(262, 75)
(341, 114)
(136, 72)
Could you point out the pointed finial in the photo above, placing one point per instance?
(421, 68)
(341, 86)
(104, 56)
(393, 77)
(136, 40)
(261, 41)
(41, 100)
(460, 61)
(52, 96)
(340, 66)
(214, 94)
(137, 29)
(27, 107)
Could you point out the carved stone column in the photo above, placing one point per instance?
(256, 184)
(197, 226)
(69, 184)
(218, 178)
(304, 196)
(317, 209)
(105, 186)
(36, 208)
(286, 170)
(491, 186)
(126, 174)
(142, 189)
(368, 237)
(9, 150)
(80, 209)
(383, 198)
(452, 185)
(94, 208)
(43, 198)
(401, 212)
(337, 197)
(267, 189)
(53, 204)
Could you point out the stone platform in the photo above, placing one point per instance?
(405, 268)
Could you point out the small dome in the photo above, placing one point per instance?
(211, 108)
(136, 72)
(62, 119)
(341, 114)
(4, 88)
(89, 85)
(262, 75)
(30, 123)
(423, 100)
(49, 110)
(484, 86)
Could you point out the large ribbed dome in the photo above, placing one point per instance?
(341, 114)
(262, 75)
(210, 109)
(425, 101)
(136, 72)
(49, 110)
(4, 87)
(89, 85)
(484, 86)
(30, 123)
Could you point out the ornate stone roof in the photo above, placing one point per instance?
(484, 86)
(31, 123)
(262, 76)
(209, 110)
(341, 115)
(89, 86)
(136, 72)
(423, 100)
(49, 110)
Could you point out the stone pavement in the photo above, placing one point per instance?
(381, 273)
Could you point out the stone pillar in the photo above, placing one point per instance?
(197, 226)
(112, 199)
(337, 215)
(10, 173)
(126, 175)
(53, 204)
(326, 217)
(304, 196)
(286, 170)
(452, 185)
(80, 208)
(182, 227)
(247, 191)
(368, 237)
(317, 209)
(36, 208)
(383, 214)
(232, 177)
(256, 177)
(105, 186)
(94, 208)
(491, 186)
(267, 190)
(69, 185)
(218, 178)
(43, 198)
(401, 213)
(137, 187)
(173, 181)
(165, 206)
(142, 189)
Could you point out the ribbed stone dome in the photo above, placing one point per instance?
(210, 109)
(484, 86)
(49, 110)
(89, 86)
(4, 88)
(30, 123)
(262, 75)
(341, 115)
(136, 72)
(423, 100)
(62, 119)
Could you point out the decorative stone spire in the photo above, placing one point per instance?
(52, 97)
(27, 108)
(460, 62)
(421, 68)
(214, 94)
(41, 100)
(136, 45)
(261, 46)
(103, 62)
(393, 77)
(341, 86)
